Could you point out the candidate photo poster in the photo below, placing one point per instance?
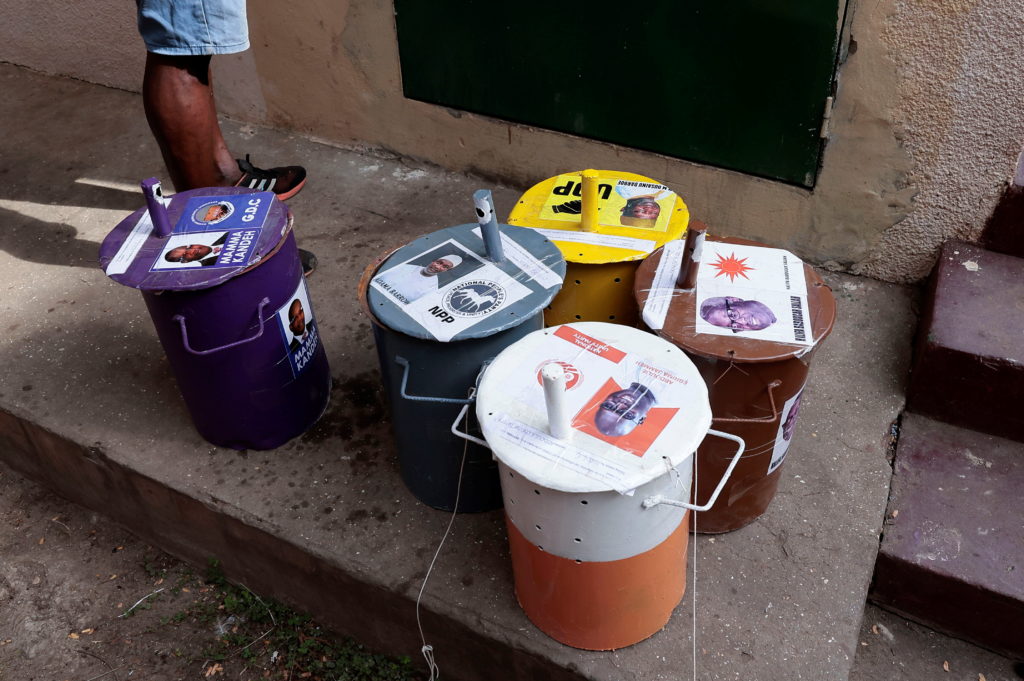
(428, 273)
(449, 289)
(234, 248)
(234, 211)
(191, 250)
(621, 203)
(752, 292)
(787, 425)
(614, 396)
(298, 328)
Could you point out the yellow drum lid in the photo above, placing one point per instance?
(602, 216)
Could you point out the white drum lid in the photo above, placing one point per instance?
(637, 404)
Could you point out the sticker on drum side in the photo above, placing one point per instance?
(752, 292)
(623, 203)
(298, 328)
(448, 289)
(787, 424)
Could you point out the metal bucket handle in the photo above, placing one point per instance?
(760, 419)
(650, 502)
(184, 334)
(404, 363)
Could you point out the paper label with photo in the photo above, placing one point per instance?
(622, 203)
(787, 424)
(449, 289)
(234, 248)
(752, 292)
(615, 397)
(236, 211)
(298, 328)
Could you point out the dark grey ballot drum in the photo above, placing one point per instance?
(751, 320)
(442, 307)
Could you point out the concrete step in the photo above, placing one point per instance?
(969, 360)
(89, 407)
(952, 554)
(892, 647)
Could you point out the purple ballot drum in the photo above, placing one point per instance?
(226, 294)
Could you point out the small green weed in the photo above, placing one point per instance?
(283, 642)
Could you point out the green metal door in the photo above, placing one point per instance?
(738, 84)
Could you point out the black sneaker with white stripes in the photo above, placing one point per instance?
(285, 182)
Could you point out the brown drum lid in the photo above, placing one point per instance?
(679, 322)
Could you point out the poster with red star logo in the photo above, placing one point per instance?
(752, 292)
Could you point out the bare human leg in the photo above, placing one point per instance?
(178, 97)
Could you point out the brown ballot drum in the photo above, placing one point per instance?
(751, 325)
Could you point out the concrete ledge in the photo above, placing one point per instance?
(952, 553)
(88, 406)
(969, 359)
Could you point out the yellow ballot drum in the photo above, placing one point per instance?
(605, 222)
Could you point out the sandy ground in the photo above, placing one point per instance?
(67, 576)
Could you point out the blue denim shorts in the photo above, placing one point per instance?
(193, 27)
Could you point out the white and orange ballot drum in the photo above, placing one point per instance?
(594, 426)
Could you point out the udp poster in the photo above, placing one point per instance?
(621, 203)
(298, 328)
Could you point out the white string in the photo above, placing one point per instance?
(693, 584)
(428, 650)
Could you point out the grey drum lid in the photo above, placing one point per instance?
(217, 233)
(443, 287)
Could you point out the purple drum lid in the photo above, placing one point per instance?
(217, 233)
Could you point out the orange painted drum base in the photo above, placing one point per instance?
(600, 605)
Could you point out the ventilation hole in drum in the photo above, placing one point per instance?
(538, 527)
(578, 317)
(579, 562)
(618, 279)
(577, 540)
(577, 282)
(512, 475)
(611, 316)
(584, 502)
(540, 548)
(512, 501)
(536, 491)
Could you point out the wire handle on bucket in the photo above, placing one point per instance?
(184, 334)
(760, 419)
(404, 363)
(462, 414)
(659, 499)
